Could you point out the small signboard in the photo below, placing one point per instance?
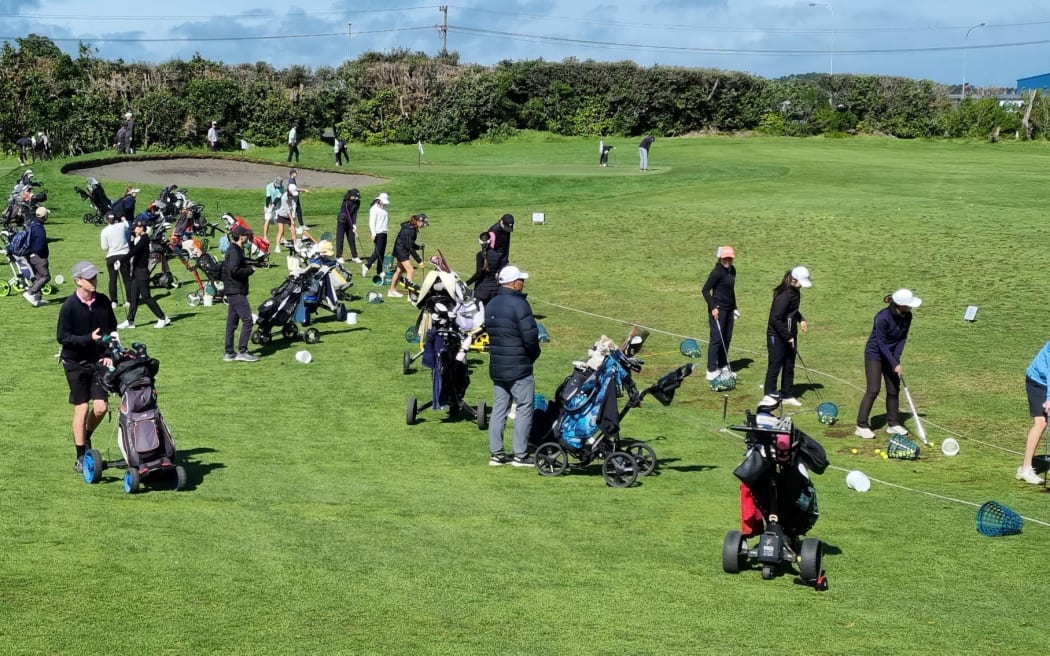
(537, 218)
(971, 313)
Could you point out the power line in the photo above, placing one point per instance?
(191, 39)
(185, 17)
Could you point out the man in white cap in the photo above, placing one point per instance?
(85, 318)
(514, 345)
(213, 137)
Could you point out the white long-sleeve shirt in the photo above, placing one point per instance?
(114, 239)
(378, 219)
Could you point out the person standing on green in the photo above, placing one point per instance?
(643, 151)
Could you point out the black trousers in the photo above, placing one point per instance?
(344, 229)
(140, 293)
(378, 254)
(717, 356)
(781, 366)
(124, 275)
(876, 371)
(238, 311)
(293, 149)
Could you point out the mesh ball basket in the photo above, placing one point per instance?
(827, 413)
(690, 348)
(412, 335)
(724, 382)
(995, 520)
(902, 448)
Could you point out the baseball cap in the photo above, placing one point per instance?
(508, 221)
(84, 269)
(239, 231)
(422, 218)
(384, 198)
(134, 190)
(42, 212)
(906, 298)
(726, 251)
(353, 192)
(293, 189)
(510, 273)
(801, 274)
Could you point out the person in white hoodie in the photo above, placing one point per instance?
(114, 238)
(378, 222)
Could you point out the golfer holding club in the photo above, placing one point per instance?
(720, 293)
(1036, 379)
(781, 337)
(882, 356)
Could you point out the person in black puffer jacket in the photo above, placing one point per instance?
(487, 265)
(514, 345)
(785, 319)
(235, 274)
(405, 250)
(720, 294)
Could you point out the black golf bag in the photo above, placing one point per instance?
(142, 435)
(279, 310)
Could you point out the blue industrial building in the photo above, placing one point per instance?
(1038, 82)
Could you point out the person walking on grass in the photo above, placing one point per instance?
(405, 250)
(274, 192)
(514, 345)
(346, 226)
(293, 142)
(378, 224)
(139, 290)
(83, 320)
(235, 274)
(643, 151)
(882, 361)
(719, 292)
(1037, 387)
(339, 148)
(114, 240)
(785, 319)
(213, 137)
(285, 215)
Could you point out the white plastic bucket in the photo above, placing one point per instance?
(351, 318)
(949, 446)
(304, 357)
(208, 300)
(856, 480)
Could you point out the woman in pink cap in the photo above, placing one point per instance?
(882, 361)
(720, 293)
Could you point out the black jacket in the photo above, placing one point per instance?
(487, 264)
(720, 289)
(514, 339)
(499, 240)
(76, 322)
(348, 212)
(235, 271)
(405, 245)
(784, 315)
(138, 252)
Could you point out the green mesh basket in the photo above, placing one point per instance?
(902, 448)
(995, 520)
(724, 381)
(827, 413)
(412, 334)
(690, 348)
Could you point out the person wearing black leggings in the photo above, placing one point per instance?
(720, 294)
(781, 337)
(346, 225)
(882, 361)
(139, 248)
(378, 224)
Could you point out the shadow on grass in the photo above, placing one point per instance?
(195, 468)
(742, 363)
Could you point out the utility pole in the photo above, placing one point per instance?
(349, 41)
(444, 29)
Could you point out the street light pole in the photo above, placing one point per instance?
(831, 8)
(349, 41)
(965, 52)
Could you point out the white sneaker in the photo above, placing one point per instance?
(29, 297)
(162, 322)
(792, 401)
(727, 370)
(896, 430)
(125, 325)
(393, 293)
(711, 375)
(357, 260)
(1028, 475)
(364, 269)
(277, 249)
(340, 260)
(767, 400)
(865, 433)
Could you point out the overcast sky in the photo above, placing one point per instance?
(941, 40)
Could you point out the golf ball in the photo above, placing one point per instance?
(853, 451)
(877, 451)
(885, 456)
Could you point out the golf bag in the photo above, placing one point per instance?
(279, 310)
(143, 436)
(97, 198)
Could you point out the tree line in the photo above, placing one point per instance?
(403, 97)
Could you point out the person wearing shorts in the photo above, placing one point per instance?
(1037, 377)
(274, 191)
(85, 318)
(405, 250)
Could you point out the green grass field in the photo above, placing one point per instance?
(318, 522)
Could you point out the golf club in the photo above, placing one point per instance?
(723, 342)
(914, 412)
(798, 354)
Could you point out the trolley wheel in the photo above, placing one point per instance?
(289, 331)
(89, 218)
(551, 459)
(483, 415)
(734, 552)
(767, 572)
(93, 466)
(5, 288)
(312, 335)
(256, 337)
(620, 469)
(48, 289)
(132, 480)
(174, 283)
(811, 559)
(645, 456)
(193, 299)
(180, 477)
(406, 363)
(340, 313)
(411, 411)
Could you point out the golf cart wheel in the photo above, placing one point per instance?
(93, 466)
(89, 218)
(289, 331)
(406, 363)
(193, 299)
(180, 477)
(312, 336)
(483, 415)
(734, 552)
(5, 288)
(174, 283)
(132, 480)
(340, 313)
(551, 459)
(620, 470)
(256, 337)
(645, 456)
(48, 289)
(411, 411)
(811, 559)
(767, 572)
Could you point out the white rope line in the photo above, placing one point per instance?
(817, 372)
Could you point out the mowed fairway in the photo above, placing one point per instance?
(318, 522)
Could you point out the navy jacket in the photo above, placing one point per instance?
(889, 331)
(720, 289)
(235, 271)
(348, 211)
(405, 245)
(514, 339)
(37, 239)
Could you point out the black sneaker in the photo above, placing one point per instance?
(78, 466)
(523, 461)
(498, 458)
